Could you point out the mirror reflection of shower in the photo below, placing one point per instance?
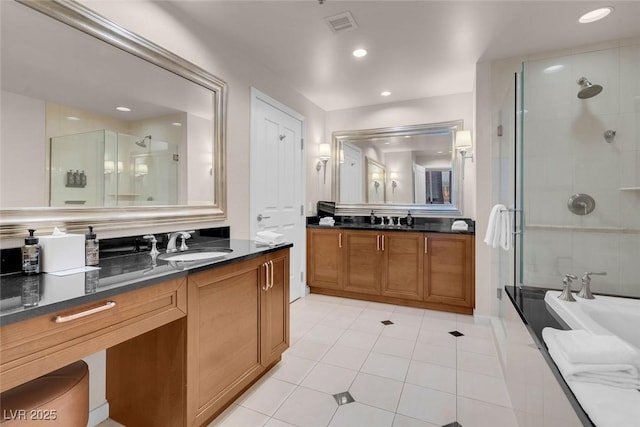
(107, 168)
(141, 143)
(588, 89)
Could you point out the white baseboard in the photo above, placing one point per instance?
(98, 415)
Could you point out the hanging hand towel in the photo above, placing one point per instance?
(499, 228)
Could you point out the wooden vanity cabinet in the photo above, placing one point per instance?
(237, 327)
(274, 320)
(428, 270)
(324, 258)
(449, 270)
(362, 271)
(403, 265)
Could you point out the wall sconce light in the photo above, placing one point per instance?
(394, 181)
(463, 143)
(110, 166)
(141, 169)
(376, 180)
(324, 152)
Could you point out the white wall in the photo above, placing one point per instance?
(413, 112)
(22, 132)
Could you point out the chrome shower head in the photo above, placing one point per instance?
(588, 89)
(141, 143)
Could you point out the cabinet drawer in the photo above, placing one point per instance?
(79, 331)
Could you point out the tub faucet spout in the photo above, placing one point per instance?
(585, 291)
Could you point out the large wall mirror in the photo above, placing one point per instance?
(102, 127)
(393, 170)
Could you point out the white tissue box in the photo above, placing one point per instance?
(61, 252)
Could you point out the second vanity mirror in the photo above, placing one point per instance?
(397, 169)
(103, 127)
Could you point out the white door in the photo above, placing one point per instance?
(351, 184)
(277, 178)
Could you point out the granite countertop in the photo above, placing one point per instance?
(537, 315)
(419, 228)
(117, 274)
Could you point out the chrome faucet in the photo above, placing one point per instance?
(585, 291)
(566, 289)
(171, 246)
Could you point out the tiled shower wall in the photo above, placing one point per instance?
(565, 152)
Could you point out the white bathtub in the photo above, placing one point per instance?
(606, 406)
(603, 315)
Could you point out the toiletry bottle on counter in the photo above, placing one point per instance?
(372, 218)
(31, 255)
(92, 248)
(409, 219)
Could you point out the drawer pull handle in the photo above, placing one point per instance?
(377, 243)
(266, 276)
(340, 240)
(425, 245)
(271, 268)
(383, 243)
(108, 305)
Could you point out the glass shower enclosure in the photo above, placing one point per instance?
(105, 168)
(571, 171)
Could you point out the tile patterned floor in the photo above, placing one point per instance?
(412, 373)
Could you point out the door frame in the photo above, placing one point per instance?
(301, 196)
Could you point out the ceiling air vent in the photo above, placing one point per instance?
(341, 22)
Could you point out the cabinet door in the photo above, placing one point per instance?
(324, 258)
(223, 340)
(403, 265)
(449, 269)
(274, 336)
(363, 261)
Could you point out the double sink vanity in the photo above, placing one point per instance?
(183, 338)
(426, 265)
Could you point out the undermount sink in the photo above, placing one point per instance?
(199, 255)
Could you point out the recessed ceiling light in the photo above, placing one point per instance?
(553, 68)
(407, 136)
(595, 15)
(359, 53)
(125, 109)
(387, 143)
(385, 93)
(440, 152)
(73, 118)
(176, 124)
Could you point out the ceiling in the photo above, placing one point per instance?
(416, 49)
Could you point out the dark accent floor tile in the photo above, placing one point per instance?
(386, 322)
(343, 398)
(456, 334)
(453, 424)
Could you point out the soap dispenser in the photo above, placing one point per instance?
(91, 248)
(31, 255)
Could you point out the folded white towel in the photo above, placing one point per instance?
(459, 226)
(269, 238)
(327, 220)
(580, 346)
(608, 406)
(622, 375)
(499, 228)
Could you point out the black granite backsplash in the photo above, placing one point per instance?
(11, 258)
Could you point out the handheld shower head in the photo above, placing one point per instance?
(588, 89)
(141, 143)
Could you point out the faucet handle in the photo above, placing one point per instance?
(568, 278)
(185, 236)
(154, 249)
(566, 290)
